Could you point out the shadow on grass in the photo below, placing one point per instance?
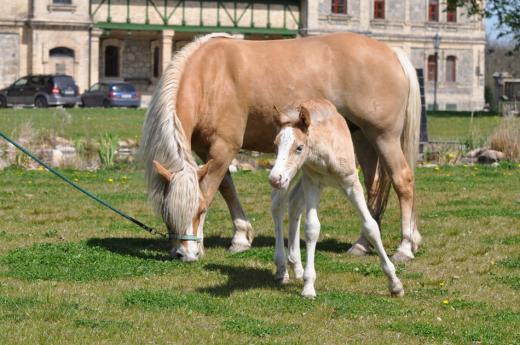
(144, 248)
(158, 249)
(239, 279)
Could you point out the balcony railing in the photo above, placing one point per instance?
(280, 17)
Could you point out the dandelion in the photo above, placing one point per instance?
(436, 168)
(451, 156)
(76, 180)
(445, 302)
(110, 180)
(441, 284)
(40, 168)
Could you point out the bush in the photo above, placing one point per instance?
(506, 138)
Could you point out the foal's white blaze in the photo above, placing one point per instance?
(281, 174)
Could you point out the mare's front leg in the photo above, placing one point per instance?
(296, 207)
(278, 202)
(354, 192)
(312, 192)
(243, 231)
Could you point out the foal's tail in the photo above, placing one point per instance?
(409, 136)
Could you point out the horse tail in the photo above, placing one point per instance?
(409, 137)
(164, 140)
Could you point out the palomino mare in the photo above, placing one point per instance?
(217, 97)
(314, 138)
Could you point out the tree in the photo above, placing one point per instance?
(507, 13)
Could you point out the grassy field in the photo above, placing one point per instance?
(126, 123)
(74, 273)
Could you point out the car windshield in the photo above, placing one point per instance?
(64, 82)
(123, 88)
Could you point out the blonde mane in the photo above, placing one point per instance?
(164, 140)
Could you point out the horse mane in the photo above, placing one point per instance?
(164, 140)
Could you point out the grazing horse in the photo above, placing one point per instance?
(314, 138)
(216, 97)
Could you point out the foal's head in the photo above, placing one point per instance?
(291, 144)
(183, 209)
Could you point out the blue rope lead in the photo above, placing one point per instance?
(86, 192)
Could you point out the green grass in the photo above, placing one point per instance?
(72, 272)
(459, 127)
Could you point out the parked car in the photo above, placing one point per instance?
(41, 91)
(111, 94)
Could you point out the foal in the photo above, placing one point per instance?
(314, 137)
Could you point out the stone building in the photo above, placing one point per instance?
(134, 40)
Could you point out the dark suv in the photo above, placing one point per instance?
(41, 91)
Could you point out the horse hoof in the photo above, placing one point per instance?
(283, 279)
(416, 241)
(238, 248)
(402, 257)
(357, 250)
(396, 289)
(309, 292)
(298, 273)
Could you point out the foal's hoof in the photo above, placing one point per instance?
(238, 248)
(357, 250)
(402, 257)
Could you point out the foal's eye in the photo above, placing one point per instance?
(299, 149)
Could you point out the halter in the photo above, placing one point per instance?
(185, 238)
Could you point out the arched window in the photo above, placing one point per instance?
(433, 10)
(451, 69)
(61, 51)
(432, 68)
(111, 61)
(339, 6)
(379, 9)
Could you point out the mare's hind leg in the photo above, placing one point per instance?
(403, 182)
(278, 203)
(354, 192)
(296, 207)
(243, 234)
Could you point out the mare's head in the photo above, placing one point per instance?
(291, 144)
(183, 208)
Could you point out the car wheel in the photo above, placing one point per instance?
(41, 102)
(3, 102)
(106, 103)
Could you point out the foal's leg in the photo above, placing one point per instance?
(296, 207)
(354, 192)
(278, 202)
(243, 234)
(312, 232)
(402, 180)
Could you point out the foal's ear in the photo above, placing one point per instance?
(305, 119)
(277, 117)
(203, 170)
(161, 170)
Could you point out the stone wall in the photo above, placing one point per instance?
(9, 58)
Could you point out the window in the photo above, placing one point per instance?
(61, 51)
(432, 68)
(21, 82)
(156, 61)
(379, 9)
(339, 6)
(451, 14)
(62, 2)
(433, 10)
(60, 68)
(451, 69)
(111, 61)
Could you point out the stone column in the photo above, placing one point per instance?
(166, 48)
(94, 56)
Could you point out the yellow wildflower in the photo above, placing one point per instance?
(445, 302)
(110, 180)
